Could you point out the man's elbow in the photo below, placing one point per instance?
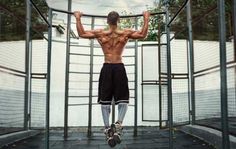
(143, 36)
(82, 35)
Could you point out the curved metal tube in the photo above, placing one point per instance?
(104, 16)
(178, 12)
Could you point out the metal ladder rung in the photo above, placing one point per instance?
(80, 54)
(77, 72)
(78, 96)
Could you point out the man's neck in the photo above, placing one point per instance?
(113, 27)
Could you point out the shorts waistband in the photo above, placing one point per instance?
(113, 63)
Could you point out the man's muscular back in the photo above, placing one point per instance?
(112, 43)
(113, 40)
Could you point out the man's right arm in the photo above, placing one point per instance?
(80, 29)
(143, 32)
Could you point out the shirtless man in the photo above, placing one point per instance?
(113, 81)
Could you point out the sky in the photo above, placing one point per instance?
(103, 7)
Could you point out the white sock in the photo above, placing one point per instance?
(122, 109)
(106, 110)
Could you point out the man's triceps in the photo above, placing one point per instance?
(136, 35)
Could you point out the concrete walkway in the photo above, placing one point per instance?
(148, 138)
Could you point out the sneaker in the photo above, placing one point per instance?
(117, 138)
(118, 127)
(111, 142)
(108, 132)
(109, 137)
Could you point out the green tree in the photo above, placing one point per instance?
(155, 23)
(205, 19)
(12, 20)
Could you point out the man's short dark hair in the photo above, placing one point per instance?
(113, 17)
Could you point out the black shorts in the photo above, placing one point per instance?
(113, 82)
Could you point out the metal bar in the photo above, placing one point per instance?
(13, 70)
(105, 16)
(27, 64)
(234, 28)
(20, 19)
(159, 76)
(191, 62)
(83, 104)
(91, 82)
(113, 111)
(30, 82)
(67, 72)
(79, 72)
(203, 74)
(234, 36)
(153, 120)
(177, 13)
(213, 68)
(19, 75)
(223, 75)
(154, 44)
(189, 84)
(169, 82)
(136, 84)
(1, 25)
(39, 12)
(196, 20)
(80, 54)
(48, 79)
(142, 82)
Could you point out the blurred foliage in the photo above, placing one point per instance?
(205, 19)
(13, 16)
(154, 23)
(204, 14)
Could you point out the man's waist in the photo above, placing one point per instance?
(107, 63)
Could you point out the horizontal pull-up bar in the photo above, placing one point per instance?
(103, 16)
(178, 12)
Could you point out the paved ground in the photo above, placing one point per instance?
(148, 138)
(216, 124)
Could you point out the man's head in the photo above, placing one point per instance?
(112, 18)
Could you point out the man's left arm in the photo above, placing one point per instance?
(80, 29)
(143, 32)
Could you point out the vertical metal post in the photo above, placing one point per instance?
(30, 85)
(91, 82)
(189, 84)
(234, 28)
(170, 110)
(136, 84)
(191, 62)
(48, 78)
(142, 84)
(234, 32)
(159, 71)
(223, 75)
(27, 64)
(67, 71)
(1, 20)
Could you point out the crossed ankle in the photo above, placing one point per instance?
(118, 122)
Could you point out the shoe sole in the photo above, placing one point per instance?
(111, 142)
(117, 138)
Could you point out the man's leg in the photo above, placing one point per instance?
(122, 109)
(106, 110)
